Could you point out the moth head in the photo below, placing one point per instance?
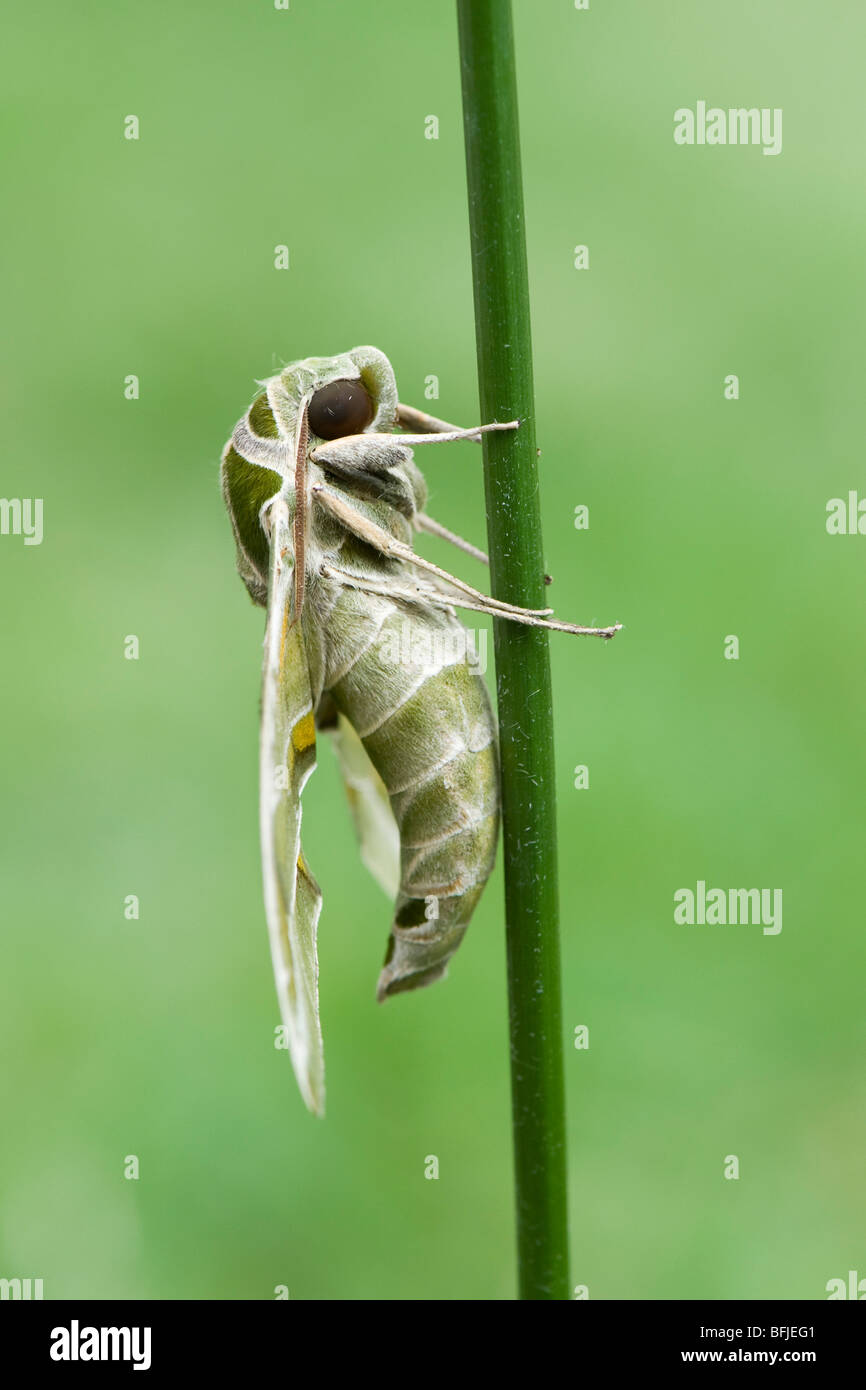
(344, 395)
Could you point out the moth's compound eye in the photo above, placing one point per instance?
(342, 407)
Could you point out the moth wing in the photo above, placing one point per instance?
(287, 758)
(378, 836)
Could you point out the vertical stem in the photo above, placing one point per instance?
(522, 664)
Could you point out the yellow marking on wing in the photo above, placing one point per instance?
(304, 733)
(303, 868)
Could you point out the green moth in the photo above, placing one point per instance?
(362, 642)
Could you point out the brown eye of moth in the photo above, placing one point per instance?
(341, 408)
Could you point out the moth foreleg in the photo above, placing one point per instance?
(352, 443)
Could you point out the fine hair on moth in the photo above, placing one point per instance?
(363, 643)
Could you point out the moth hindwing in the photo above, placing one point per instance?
(362, 641)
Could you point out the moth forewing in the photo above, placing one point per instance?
(288, 757)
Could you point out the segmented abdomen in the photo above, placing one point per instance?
(402, 675)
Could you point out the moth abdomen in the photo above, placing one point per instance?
(421, 945)
(423, 715)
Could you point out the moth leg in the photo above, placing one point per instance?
(393, 549)
(323, 452)
(410, 418)
(423, 593)
(423, 522)
(416, 593)
(388, 545)
(529, 617)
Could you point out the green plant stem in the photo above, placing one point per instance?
(522, 662)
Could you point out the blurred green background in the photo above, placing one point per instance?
(707, 518)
